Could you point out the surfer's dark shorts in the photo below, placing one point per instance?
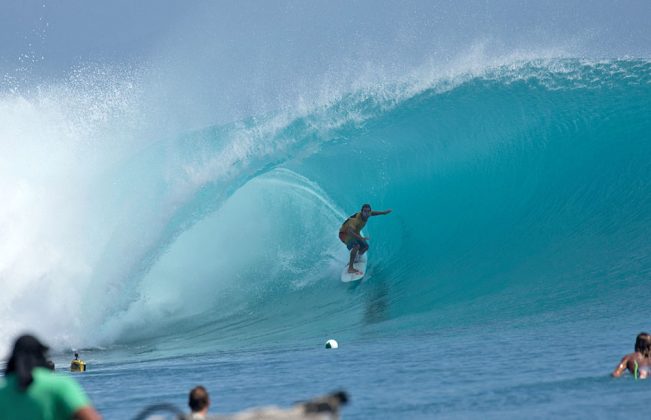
(352, 241)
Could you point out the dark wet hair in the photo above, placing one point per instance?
(643, 344)
(365, 206)
(28, 353)
(198, 399)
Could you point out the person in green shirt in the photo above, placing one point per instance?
(32, 391)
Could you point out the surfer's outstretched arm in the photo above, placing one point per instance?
(380, 213)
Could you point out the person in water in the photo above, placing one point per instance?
(199, 402)
(32, 391)
(350, 233)
(639, 362)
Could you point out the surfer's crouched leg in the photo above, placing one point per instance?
(354, 243)
(354, 257)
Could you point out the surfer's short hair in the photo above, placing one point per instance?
(364, 206)
(198, 399)
(643, 344)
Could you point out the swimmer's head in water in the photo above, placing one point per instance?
(198, 399)
(643, 344)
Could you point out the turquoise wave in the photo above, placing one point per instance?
(523, 189)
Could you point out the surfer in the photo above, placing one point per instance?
(350, 233)
(639, 362)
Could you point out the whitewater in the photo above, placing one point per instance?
(509, 279)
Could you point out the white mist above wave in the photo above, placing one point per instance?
(55, 143)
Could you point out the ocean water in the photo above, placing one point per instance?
(507, 282)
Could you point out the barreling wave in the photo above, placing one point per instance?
(517, 189)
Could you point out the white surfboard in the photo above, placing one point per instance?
(360, 265)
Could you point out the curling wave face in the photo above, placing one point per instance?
(518, 189)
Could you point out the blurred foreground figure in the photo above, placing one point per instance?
(320, 408)
(199, 402)
(31, 391)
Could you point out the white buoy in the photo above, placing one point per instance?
(332, 344)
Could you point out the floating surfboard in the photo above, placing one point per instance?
(359, 265)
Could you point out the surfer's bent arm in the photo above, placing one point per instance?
(380, 213)
(621, 367)
(355, 234)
